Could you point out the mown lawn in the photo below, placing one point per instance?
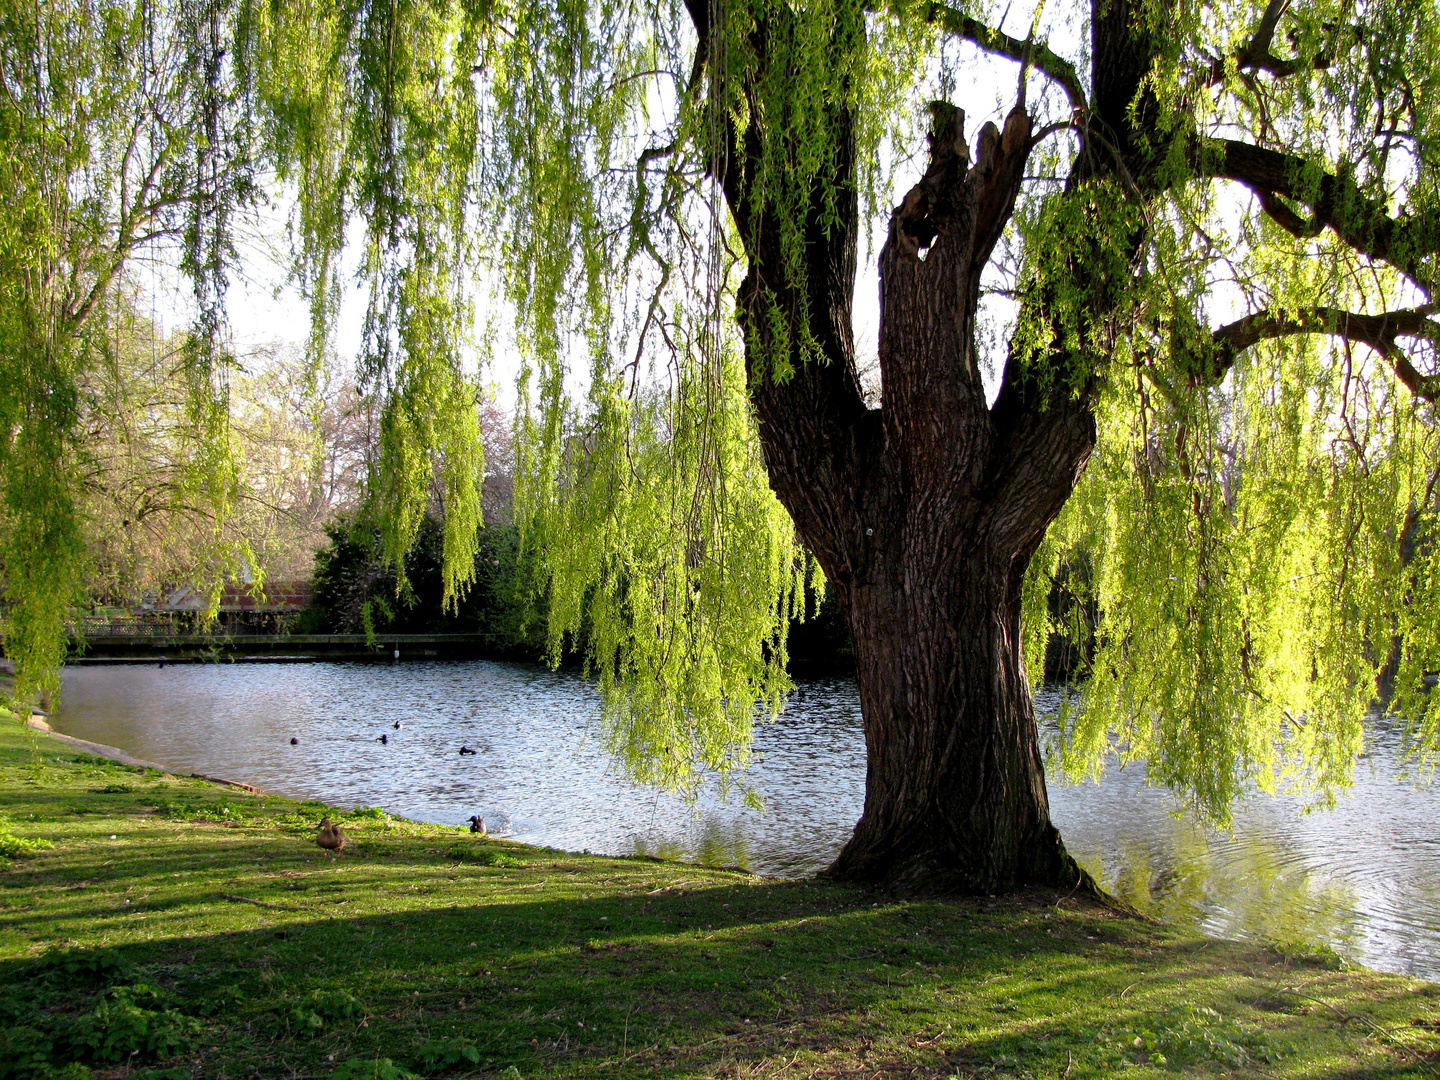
(181, 929)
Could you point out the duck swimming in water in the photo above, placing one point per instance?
(477, 825)
(384, 739)
(294, 741)
(397, 725)
(330, 837)
(467, 750)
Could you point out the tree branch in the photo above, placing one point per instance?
(1408, 242)
(1036, 53)
(1256, 56)
(1377, 331)
(1259, 46)
(819, 440)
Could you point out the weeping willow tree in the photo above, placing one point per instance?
(132, 146)
(118, 136)
(1208, 233)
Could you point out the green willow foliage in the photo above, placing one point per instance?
(1260, 522)
(117, 134)
(1263, 547)
(135, 129)
(371, 111)
(665, 554)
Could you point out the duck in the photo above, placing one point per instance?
(397, 725)
(477, 825)
(467, 750)
(294, 741)
(384, 739)
(330, 837)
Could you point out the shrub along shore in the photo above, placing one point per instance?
(153, 926)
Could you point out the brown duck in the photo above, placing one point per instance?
(330, 837)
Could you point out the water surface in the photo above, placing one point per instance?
(1363, 879)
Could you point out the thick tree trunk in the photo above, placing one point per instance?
(924, 516)
(925, 513)
(955, 786)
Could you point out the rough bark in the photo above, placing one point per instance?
(955, 786)
(955, 791)
(924, 516)
(925, 513)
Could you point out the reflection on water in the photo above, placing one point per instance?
(540, 774)
(1363, 878)
(1247, 886)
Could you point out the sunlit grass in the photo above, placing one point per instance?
(184, 926)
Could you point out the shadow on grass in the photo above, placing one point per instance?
(571, 965)
(670, 980)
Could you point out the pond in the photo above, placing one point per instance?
(1363, 878)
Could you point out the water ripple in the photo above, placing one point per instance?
(1363, 878)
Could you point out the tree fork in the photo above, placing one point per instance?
(924, 516)
(955, 784)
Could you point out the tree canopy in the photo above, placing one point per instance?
(1209, 234)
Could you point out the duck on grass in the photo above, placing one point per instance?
(429, 951)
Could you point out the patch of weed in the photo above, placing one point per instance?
(131, 1023)
(1188, 1036)
(81, 969)
(195, 810)
(1309, 954)
(446, 1053)
(311, 1013)
(220, 1000)
(377, 1069)
(47, 1039)
(484, 856)
(18, 847)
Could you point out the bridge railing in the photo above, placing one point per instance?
(138, 626)
(181, 631)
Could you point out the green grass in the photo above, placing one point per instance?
(180, 929)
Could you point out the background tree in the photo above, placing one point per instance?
(299, 460)
(305, 442)
(128, 128)
(357, 590)
(1216, 228)
(117, 136)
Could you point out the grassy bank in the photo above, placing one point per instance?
(180, 929)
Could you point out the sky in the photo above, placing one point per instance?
(265, 312)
